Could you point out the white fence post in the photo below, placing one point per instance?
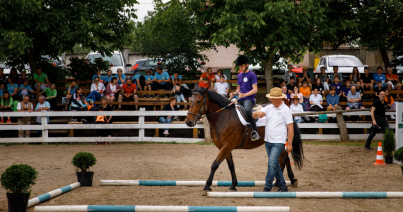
(44, 122)
(141, 123)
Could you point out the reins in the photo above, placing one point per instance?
(198, 116)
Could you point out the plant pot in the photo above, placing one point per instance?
(17, 202)
(85, 178)
(388, 159)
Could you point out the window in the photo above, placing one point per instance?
(115, 59)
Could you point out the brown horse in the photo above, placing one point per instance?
(227, 133)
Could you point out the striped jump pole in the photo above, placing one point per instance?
(146, 208)
(180, 183)
(308, 195)
(52, 194)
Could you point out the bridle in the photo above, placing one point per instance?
(198, 116)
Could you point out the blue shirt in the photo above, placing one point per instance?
(346, 90)
(107, 79)
(379, 78)
(332, 100)
(23, 86)
(245, 82)
(10, 88)
(353, 96)
(123, 77)
(45, 104)
(135, 78)
(337, 86)
(73, 90)
(163, 76)
(149, 77)
(1, 92)
(93, 78)
(173, 77)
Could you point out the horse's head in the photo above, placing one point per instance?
(197, 106)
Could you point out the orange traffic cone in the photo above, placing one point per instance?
(286, 144)
(379, 155)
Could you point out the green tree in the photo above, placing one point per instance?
(31, 28)
(263, 29)
(169, 34)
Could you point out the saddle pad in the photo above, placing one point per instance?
(261, 122)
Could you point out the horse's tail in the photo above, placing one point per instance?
(297, 147)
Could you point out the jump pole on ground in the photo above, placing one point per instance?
(51, 194)
(180, 183)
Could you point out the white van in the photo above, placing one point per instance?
(117, 60)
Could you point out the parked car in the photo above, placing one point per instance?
(117, 60)
(145, 64)
(57, 62)
(346, 63)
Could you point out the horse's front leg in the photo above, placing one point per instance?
(231, 167)
(221, 156)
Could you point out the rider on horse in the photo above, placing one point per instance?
(247, 89)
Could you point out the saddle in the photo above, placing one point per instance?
(248, 127)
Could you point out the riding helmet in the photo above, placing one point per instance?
(242, 59)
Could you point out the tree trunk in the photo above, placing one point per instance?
(385, 57)
(31, 60)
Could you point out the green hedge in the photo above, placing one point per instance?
(18, 178)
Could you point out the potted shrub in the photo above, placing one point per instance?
(83, 161)
(18, 180)
(388, 146)
(399, 157)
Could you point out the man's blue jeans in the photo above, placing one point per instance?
(274, 151)
(164, 120)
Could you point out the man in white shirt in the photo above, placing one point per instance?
(315, 100)
(42, 105)
(279, 128)
(221, 87)
(24, 106)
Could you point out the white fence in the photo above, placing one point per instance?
(141, 125)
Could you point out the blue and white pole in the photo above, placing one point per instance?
(307, 195)
(52, 194)
(180, 183)
(146, 208)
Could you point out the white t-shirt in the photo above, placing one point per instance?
(297, 108)
(19, 106)
(276, 123)
(218, 77)
(221, 87)
(316, 100)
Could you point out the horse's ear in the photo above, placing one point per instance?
(203, 90)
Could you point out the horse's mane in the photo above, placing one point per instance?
(214, 97)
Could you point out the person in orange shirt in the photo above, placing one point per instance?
(390, 102)
(209, 74)
(306, 92)
(128, 92)
(205, 83)
(392, 80)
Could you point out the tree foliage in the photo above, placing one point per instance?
(84, 69)
(30, 28)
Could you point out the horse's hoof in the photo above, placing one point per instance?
(207, 189)
(232, 190)
(294, 183)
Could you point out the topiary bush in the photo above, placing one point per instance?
(388, 144)
(399, 155)
(18, 179)
(83, 161)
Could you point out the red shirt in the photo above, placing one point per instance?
(393, 76)
(129, 89)
(202, 85)
(212, 76)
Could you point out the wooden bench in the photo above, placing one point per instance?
(12, 123)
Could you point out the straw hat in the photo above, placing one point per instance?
(276, 93)
(294, 98)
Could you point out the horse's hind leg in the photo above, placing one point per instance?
(221, 156)
(231, 167)
(294, 182)
(282, 162)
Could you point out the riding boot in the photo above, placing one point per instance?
(254, 135)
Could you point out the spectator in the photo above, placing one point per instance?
(305, 77)
(23, 78)
(378, 90)
(42, 105)
(104, 120)
(291, 85)
(353, 101)
(112, 90)
(305, 91)
(161, 80)
(41, 80)
(6, 105)
(367, 80)
(318, 84)
(392, 81)
(281, 83)
(178, 91)
(335, 74)
(390, 103)
(221, 87)
(2, 90)
(338, 85)
(219, 74)
(333, 100)
(107, 79)
(128, 92)
(77, 103)
(316, 101)
(324, 78)
(121, 77)
(209, 74)
(97, 90)
(288, 74)
(355, 76)
(379, 77)
(296, 107)
(3, 77)
(12, 88)
(24, 106)
(148, 80)
(378, 118)
(359, 88)
(297, 94)
(13, 75)
(51, 94)
(100, 77)
(168, 119)
(70, 91)
(205, 83)
(345, 90)
(176, 76)
(285, 91)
